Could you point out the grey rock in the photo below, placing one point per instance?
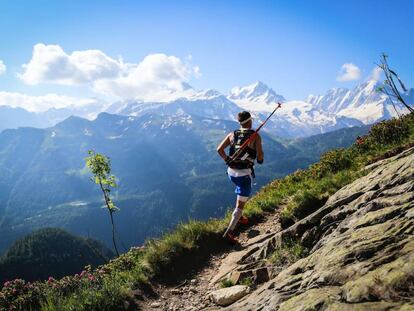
(229, 295)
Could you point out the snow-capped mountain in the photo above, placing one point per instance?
(338, 108)
(363, 103)
(301, 119)
(208, 103)
(256, 97)
(296, 118)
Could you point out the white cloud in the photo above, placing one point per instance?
(44, 102)
(51, 64)
(348, 72)
(376, 73)
(3, 67)
(156, 77)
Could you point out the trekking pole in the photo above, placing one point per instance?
(253, 136)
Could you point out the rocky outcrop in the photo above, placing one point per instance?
(360, 250)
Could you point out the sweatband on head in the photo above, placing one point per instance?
(245, 121)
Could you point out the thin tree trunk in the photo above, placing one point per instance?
(113, 233)
(111, 216)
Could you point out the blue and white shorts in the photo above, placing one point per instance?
(243, 187)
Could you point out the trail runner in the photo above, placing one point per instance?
(240, 167)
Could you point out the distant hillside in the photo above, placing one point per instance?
(167, 166)
(15, 117)
(51, 252)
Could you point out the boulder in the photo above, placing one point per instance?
(227, 296)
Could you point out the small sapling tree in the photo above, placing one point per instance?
(100, 167)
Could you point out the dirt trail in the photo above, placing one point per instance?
(193, 293)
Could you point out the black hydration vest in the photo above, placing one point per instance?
(246, 158)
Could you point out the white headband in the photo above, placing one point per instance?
(245, 121)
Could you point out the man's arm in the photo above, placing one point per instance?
(222, 146)
(259, 149)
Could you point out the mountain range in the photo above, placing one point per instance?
(317, 114)
(338, 108)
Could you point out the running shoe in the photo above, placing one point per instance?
(244, 220)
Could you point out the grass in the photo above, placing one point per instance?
(247, 282)
(299, 194)
(287, 253)
(226, 283)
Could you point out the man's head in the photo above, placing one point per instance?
(245, 119)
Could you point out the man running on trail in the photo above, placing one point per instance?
(240, 169)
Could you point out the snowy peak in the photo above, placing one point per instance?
(250, 91)
(256, 97)
(206, 94)
(364, 103)
(337, 99)
(331, 102)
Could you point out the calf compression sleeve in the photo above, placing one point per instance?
(237, 213)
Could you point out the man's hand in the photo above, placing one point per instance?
(260, 161)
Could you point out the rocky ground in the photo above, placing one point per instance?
(194, 293)
(360, 255)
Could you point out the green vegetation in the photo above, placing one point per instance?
(51, 252)
(247, 281)
(297, 195)
(287, 253)
(226, 283)
(100, 167)
(160, 253)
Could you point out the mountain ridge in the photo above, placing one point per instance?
(337, 108)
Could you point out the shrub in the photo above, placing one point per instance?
(389, 132)
(335, 160)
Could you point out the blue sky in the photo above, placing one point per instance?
(296, 47)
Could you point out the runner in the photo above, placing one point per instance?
(240, 163)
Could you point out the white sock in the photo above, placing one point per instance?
(237, 213)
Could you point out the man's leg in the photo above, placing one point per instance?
(237, 213)
(243, 190)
